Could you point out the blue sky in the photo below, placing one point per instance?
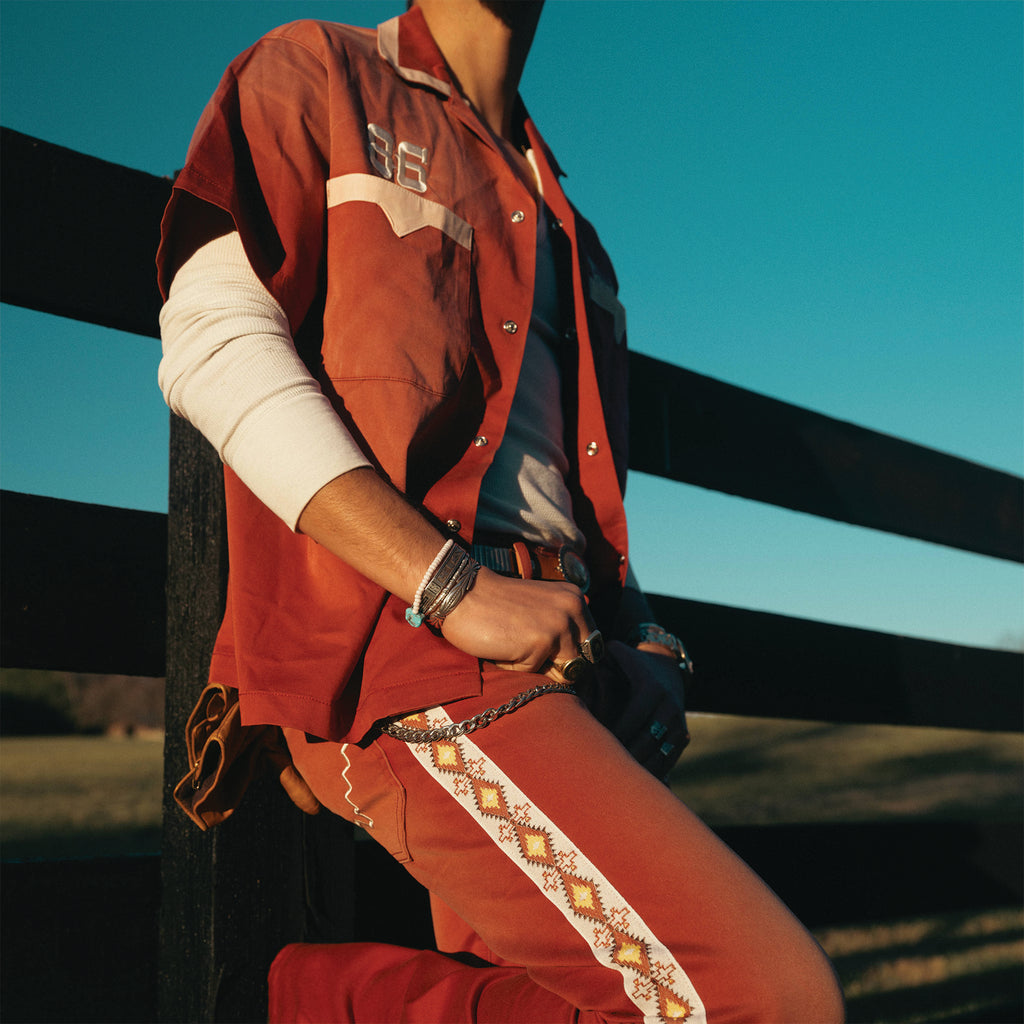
(819, 201)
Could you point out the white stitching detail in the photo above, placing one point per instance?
(358, 813)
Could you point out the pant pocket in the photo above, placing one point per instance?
(383, 804)
(357, 784)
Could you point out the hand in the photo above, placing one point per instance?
(523, 625)
(638, 695)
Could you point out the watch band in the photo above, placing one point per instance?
(652, 633)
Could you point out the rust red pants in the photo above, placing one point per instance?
(549, 852)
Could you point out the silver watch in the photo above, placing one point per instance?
(652, 633)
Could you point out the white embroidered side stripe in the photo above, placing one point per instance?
(617, 935)
(405, 210)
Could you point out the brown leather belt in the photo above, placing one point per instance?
(530, 562)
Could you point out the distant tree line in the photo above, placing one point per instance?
(41, 703)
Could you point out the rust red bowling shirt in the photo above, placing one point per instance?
(379, 211)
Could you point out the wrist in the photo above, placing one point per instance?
(649, 636)
(448, 579)
(659, 649)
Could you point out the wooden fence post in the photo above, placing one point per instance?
(232, 896)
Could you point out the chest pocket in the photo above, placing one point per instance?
(398, 299)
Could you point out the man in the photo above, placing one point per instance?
(406, 346)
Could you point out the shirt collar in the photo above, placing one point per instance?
(406, 44)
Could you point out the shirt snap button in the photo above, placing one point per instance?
(518, 216)
(480, 441)
(593, 448)
(510, 326)
(454, 525)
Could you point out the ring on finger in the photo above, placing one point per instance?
(592, 647)
(573, 669)
(591, 650)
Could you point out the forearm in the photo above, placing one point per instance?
(635, 610)
(520, 624)
(363, 520)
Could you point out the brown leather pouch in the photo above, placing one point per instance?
(225, 756)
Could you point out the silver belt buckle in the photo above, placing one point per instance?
(573, 568)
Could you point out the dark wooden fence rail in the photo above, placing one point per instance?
(90, 589)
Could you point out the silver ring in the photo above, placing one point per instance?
(592, 647)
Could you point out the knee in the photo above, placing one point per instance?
(823, 1002)
(797, 987)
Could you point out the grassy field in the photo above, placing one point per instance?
(56, 792)
(95, 796)
(79, 796)
(930, 970)
(752, 771)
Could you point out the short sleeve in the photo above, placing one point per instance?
(259, 152)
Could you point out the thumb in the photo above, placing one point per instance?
(298, 790)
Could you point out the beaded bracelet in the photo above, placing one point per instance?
(412, 614)
(446, 582)
(441, 578)
(459, 584)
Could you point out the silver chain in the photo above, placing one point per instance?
(449, 732)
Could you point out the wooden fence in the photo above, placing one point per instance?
(96, 589)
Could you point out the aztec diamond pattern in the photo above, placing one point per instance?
(616, 934)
